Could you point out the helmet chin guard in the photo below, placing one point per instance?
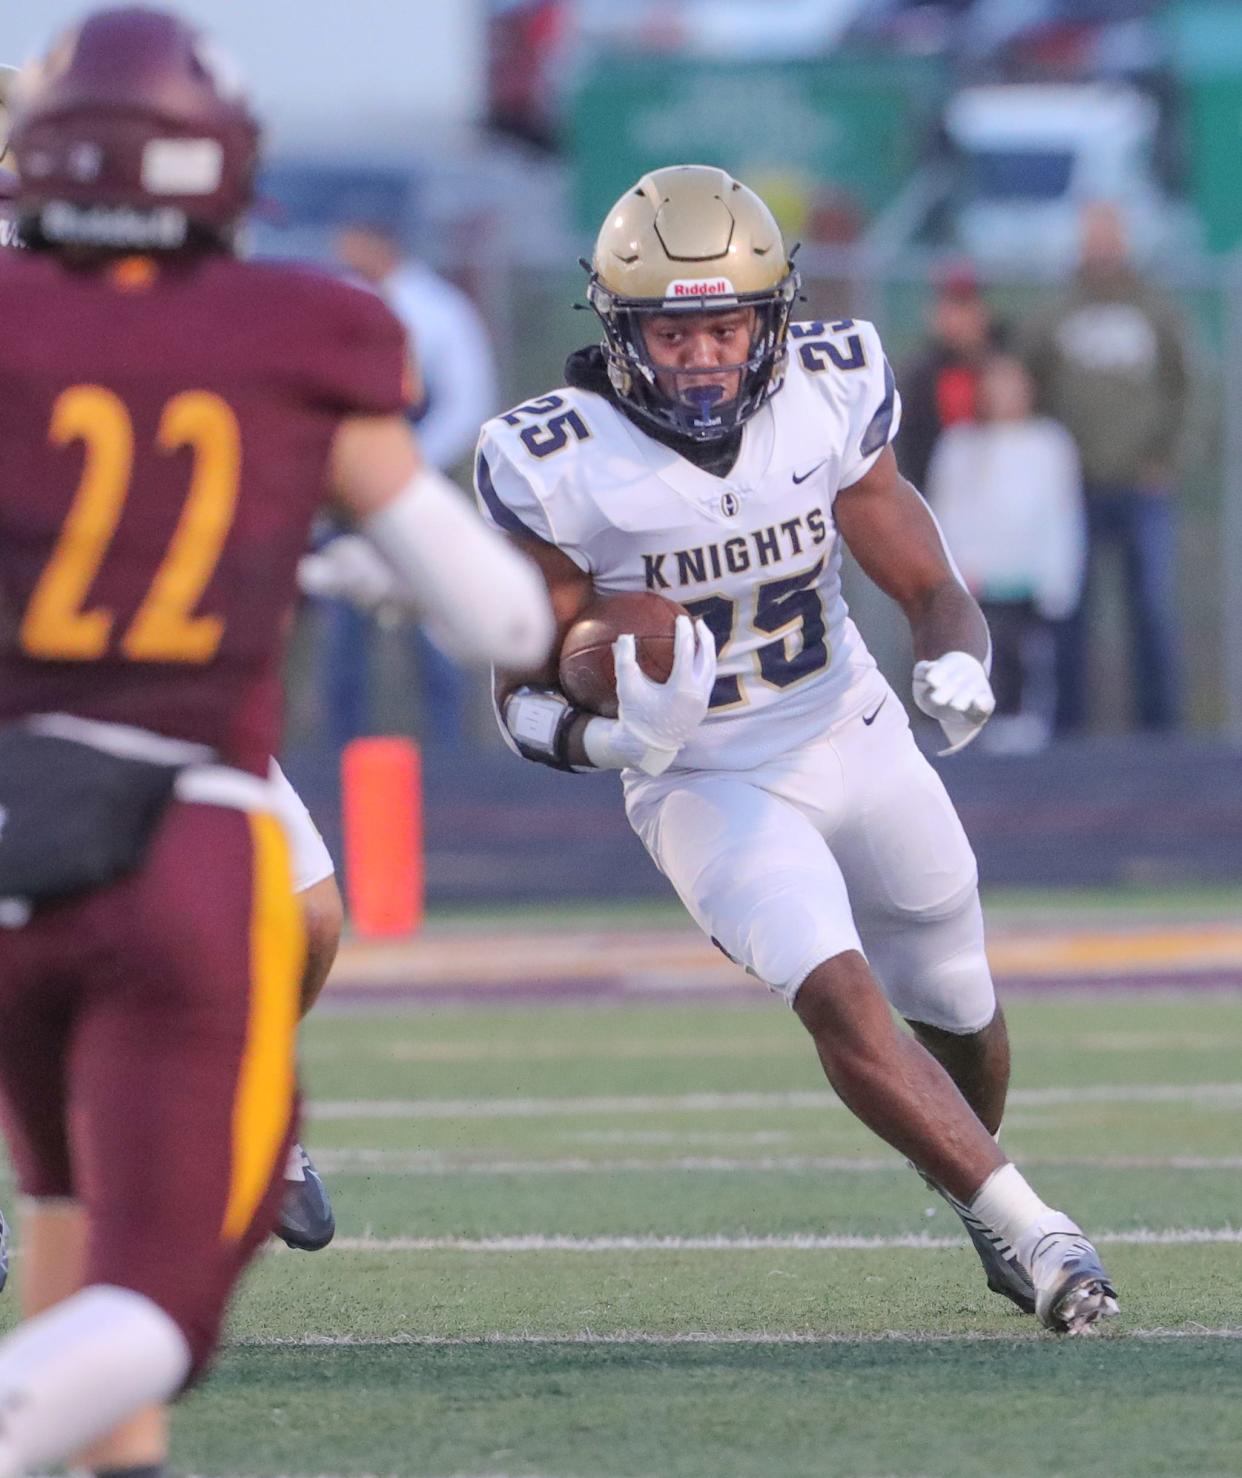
(690, 239)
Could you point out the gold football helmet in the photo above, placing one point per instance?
(691, 238)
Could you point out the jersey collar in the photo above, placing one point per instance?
(722, 499)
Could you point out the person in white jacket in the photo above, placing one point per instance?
(453, 350)
(455, 392)
(1007, 489)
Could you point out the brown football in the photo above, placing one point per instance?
(588, 676)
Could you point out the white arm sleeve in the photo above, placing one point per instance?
(308, 852)
(482, 600)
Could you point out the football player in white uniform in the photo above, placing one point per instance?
(717, 453)
(712, 451)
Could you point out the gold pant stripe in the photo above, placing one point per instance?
(265, 1084)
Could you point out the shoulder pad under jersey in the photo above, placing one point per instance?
(844, 361)
(527, 476)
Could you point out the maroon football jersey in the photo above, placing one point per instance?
(164, 433)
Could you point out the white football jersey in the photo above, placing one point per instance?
(756, 553)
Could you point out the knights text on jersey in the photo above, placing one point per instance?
(755, 554)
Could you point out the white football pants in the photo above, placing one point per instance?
(308, 852)
(849, 843)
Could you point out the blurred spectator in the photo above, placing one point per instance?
(456, 375)
(939, 385)
(1007, 489)
(1109, 361)
(525, 41)
(449, 341)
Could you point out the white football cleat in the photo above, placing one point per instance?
(1072, 1290)
(1005, 1274)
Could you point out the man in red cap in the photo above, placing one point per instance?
(940, 383)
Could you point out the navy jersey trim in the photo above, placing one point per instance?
(503, 515)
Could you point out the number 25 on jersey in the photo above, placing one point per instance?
(791, 611)
(58, 624)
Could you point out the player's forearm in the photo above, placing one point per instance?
(543, 726)
(576, 745)
(947, 618)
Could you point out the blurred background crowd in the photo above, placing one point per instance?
(1037, 201)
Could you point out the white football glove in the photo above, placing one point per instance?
(349, 568)
(954, 690)
(655, 719)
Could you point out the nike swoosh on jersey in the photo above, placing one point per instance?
(811, 473)
(870, 718)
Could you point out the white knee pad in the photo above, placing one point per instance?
(934, 967)
(956, 995)
(781, 931)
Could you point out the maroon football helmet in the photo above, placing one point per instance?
(132, 135)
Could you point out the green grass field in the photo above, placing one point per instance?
(644, 1242)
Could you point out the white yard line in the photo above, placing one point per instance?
(703, 1337)
(610, 1049)
(433, 1162)
(380, 1475)
(1214, 1093)
(642, 1049)
(399, 1162)
(689, 1103)
(678, 1138)
(537, 1108)
(798, 1242)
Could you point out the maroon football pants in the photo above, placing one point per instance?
(147, 1059)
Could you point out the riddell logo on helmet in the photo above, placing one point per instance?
(112, 226)
(700, 287)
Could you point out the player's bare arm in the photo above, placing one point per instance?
(570, 591)
(894, 537)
